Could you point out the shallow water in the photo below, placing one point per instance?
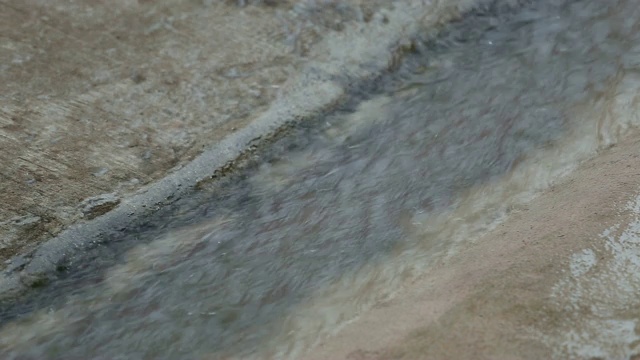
(339, 216)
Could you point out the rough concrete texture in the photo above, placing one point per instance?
(105, 97)
(100, 99)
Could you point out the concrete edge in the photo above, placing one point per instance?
(356, 55)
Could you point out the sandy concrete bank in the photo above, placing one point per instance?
(558, 279)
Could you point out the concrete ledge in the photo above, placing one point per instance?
(357, 54)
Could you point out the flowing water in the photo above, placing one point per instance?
(335, 218)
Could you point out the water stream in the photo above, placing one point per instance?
(335, 218)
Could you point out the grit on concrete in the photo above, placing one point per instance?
(110, 109)
(100, 98)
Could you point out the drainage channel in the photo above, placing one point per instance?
(333, 218)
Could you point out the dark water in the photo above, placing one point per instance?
(334, 218)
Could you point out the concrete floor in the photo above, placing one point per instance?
(100, 98)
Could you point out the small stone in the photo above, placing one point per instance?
(138, 77)
(98, 205)
(100, 172)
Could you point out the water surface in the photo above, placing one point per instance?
(337, 217)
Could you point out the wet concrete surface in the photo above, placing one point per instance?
(344, 59)
(103, 98)
(219, 273)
